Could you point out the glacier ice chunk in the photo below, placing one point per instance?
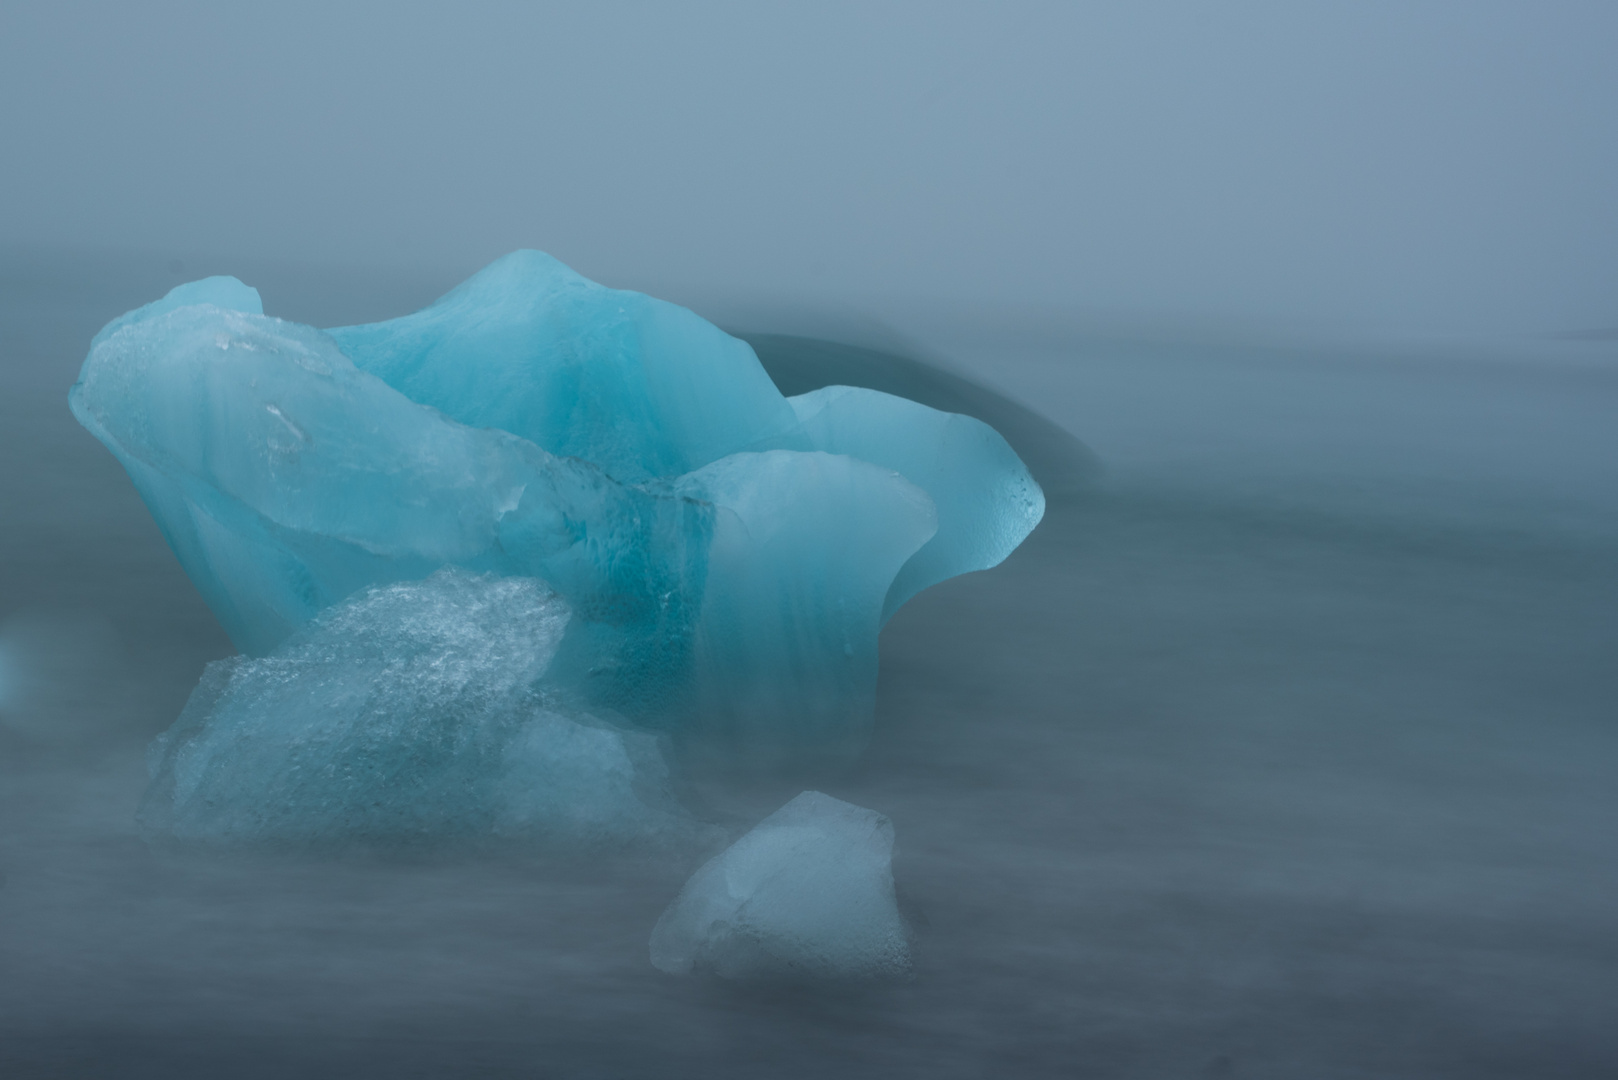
(807, 893)
(408, 712)
(728, 555)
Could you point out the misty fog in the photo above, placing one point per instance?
(1285, 746)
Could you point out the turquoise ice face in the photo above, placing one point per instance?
(636, 386)
(729, 555)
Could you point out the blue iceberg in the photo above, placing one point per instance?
(728, 555)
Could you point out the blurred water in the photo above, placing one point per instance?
(1287, 749)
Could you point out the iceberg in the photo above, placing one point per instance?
(808, 893)
(409, 712)
(728, 555)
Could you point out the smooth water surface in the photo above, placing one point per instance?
(1287, 748)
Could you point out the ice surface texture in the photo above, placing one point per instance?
(407, 712)
(639, 387)
(728, 555)
(807, 893)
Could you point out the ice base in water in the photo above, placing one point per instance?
(408, 712)
(728, 555)
(807, 893)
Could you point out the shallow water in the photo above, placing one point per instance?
(1288, 748)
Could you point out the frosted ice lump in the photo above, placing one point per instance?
(728, 555)
(408, 712)
(808, 893)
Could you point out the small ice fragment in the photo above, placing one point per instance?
(807, 893)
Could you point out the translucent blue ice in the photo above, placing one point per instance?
(638, 386)
(285, 479)
(804, 547)
(221, 292)
(807, 893)
(729, 555)
(986, 501)
(408, 712)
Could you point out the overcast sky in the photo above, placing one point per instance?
(1384, 167)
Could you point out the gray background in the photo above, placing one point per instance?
(1381, 167)
(1286, 748)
